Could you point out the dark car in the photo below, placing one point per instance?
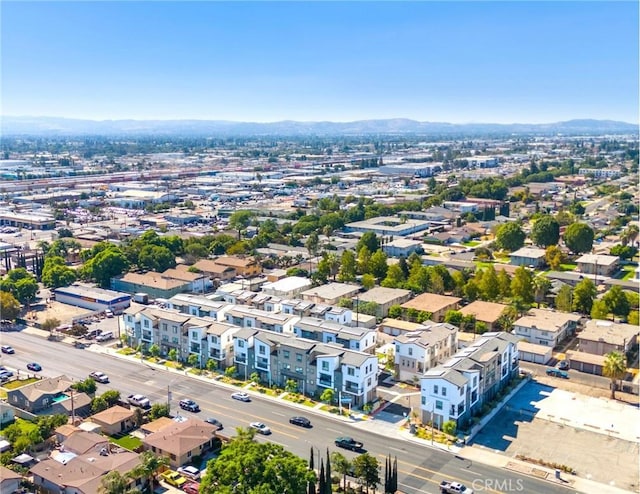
(215, 422)
(348, 443)
(301, 421)
(557, 373)
(189, 405)
(34, 367)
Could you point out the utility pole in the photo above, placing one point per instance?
(168, 399)
(73, 409)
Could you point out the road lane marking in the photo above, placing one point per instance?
(333, 430)
(279, 414)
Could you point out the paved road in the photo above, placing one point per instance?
(420, 468)
(592, 380)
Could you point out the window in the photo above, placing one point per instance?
(214, 339)
(175, 329)
(325, 365)
(175, 340)
(298, 357)
(423, 400)
(164, 326)
(410, 352)
(194, 335)
(189, 454)
(357, 345)
(369, 382)
(285, 354)
(145, 323)
(351, 371)
(438, 405)
(286, 366)
(262, 349)
(240, 343)
(299, 370)
(444, 391)
(435, 389)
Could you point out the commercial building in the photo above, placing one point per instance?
(95, 299)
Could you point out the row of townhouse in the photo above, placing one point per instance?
(314, 366)
(457, 389)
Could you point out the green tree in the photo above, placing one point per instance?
(395, 312)
(154, 350)
(510, 236)
(240, 220)
(105, 265)
(578, 237)
(116, 483)
(312, 244)
(230, 371)
(193, 360)
(156, 258)
(341, 465)
(149, 465)
(367, 470)
(563, 300)
(26, 290)
(615, 368)
(172, 355)
(449, 427)
(111, 397)
(489, 285)
(554, 257)
(504, 284)
(55, 273)
(9, 306)
(50, 324)
(364, 259)
(347, 270)
(583, 296)
(545, 231)
(291, 386)
(634, 318)
(159, 410)
(418, 279)
(212, 365)
(98, 404)
(522, 285)
(368, 240)
(617, 302)
(599, 310)
(378, 264)
(87, 386)
(395, 277)
(327, 395)
(252, 467)
(368, 281)
(541, 286)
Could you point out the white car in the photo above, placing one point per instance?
(190, 472)
(241, 396)
(100, 377)
(261, 428)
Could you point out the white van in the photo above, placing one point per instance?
(107, 335)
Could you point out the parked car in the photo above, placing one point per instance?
(348, 443)
(173, 478)
(8, 349)
(106, 336)
(189, 472)
(563, 365)
(301, 421)
(189, 405)
(191, 487)
(34, 367)
(100, 377)
(557, 373)
(4, 370)
(261, 428)
(241, 396)
(215, 422)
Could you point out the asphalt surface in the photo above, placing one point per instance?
(420, 468)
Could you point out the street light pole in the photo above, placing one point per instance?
(433, 405)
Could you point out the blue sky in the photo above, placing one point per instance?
(451, 61)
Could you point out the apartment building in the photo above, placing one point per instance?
(199, 306)
(248, 317)
(421, 350)
(360, 339)
(545, 327)
(315, 366)
(457, 389)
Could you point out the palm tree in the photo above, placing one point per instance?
(630, 235)
(541, 286)
(150, 463)
(116, 483)
(615, 368)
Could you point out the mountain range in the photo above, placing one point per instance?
(56, 126)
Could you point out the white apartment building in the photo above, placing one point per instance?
(545, 327)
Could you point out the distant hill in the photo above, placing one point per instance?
(66, 126)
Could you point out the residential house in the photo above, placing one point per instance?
(9, 480)
(457, 389)
(7, 415)
(602, 337)
(289, 287)
(244, 266)
(486, 312)
(396, 327)
(50, 395)
(402, 247)
(418, 351)
(154, 284)
(182, 441)
(545, 327)
(598, 264)
(301, 308)
(198, 282)
(82, 442)
(330, 293)
(215, 271)
(384, 298)
(82, 474)
(114, 420)
(434, 304)
(528, 257)
(360, 339)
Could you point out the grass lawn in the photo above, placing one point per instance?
(25, 425)
(628, 272)
(568, 267)
(483, 264)
(127, 442)
(127, 351)
(18, 383)
(471, 243)
(268, 391)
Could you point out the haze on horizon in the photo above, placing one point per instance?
(456, 62)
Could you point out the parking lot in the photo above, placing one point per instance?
(599, 438)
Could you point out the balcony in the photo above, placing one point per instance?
(241, 359)
(353, 389)
(147, 336)
(214, 353)
(262, 363)
(325, 381)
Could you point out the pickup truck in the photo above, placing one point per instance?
(447, 487)
(139, 401)
(348, 443)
